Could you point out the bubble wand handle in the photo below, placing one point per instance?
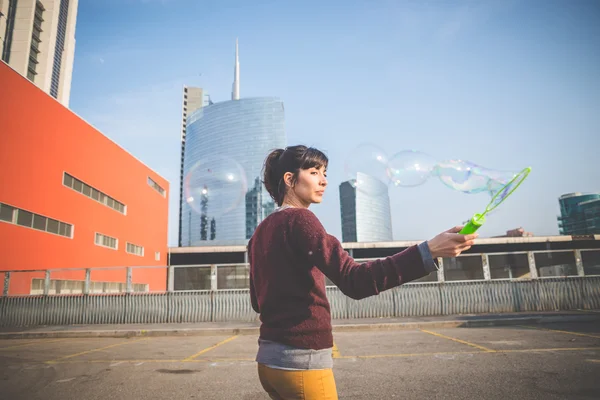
(473, 224)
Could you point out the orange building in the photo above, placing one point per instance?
(70, 198)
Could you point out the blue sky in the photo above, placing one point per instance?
(504, 84)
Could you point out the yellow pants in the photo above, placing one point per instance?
(317, 384)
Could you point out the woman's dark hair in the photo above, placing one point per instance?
(291, 159)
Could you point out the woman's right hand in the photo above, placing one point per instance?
(451, 243)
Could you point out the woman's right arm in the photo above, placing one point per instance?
(361, 280)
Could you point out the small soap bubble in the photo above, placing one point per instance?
(366, 168)
(215, 185)
(310, 253)
(410, 168)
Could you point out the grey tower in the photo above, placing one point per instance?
(365, 217)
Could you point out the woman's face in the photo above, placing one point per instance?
(310, 185)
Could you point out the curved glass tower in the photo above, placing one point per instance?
(365, 217)
(244, 130)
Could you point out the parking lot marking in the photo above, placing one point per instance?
(559, 331)
(369, 356)
(594, 361)
(94, 350)
(30, 344)
(459, 341)
(545, 350)
(335, 352)
(191, 358)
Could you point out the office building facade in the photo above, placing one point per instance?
(579, 214)
(37, 39)
(72, 199)
(193, 98)
(243, 131)
(365, 217)
(235, 136)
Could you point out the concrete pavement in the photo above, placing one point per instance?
(552, 360)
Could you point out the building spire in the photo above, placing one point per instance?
(235, 91)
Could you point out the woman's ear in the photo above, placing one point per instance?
(287, 178)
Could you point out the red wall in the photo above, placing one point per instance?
(39, 140)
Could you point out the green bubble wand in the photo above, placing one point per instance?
(501, 195)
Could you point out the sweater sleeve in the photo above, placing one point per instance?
(356, 280)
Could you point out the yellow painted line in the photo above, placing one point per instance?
(559, 331)
(191, 358)
(94, 350)
(154, 361)
(546, 350)
(594, 361)
(335, 352)
(31, 344)
(459, 341)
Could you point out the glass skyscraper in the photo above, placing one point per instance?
(365, 217)
(580, 214)
(244, 130)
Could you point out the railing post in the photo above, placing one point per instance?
(579, 263)
(86, 283)
(6, 284)
(170, 278)
(213, 277)
(128, 286)
(47, 283)
(532, 269)
(440, 272)
(485, 262)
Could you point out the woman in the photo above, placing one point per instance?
(290, 255)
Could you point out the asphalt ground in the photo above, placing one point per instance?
(549, 361)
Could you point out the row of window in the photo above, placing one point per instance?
(85, 189)
(31, 220)
(62, 286)
(113, 243)
(156, 187)
(27, 219)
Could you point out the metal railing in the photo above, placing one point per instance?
(489, 282)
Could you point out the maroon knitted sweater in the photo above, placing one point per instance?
(290, 253)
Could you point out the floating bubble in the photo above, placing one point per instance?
(370, 160)
(463, 176)
(410, 168)
(215, 185)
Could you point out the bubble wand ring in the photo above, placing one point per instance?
(505, 191)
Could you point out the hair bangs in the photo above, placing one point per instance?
(314, 158)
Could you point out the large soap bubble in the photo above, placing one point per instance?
(369, 163)
(370, 160)
(410, 168)
(215, 185)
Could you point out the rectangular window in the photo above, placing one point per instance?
(106, 241)
(68, 180)
(24, 218)
(135, 249)
(34, 221)
(85, 189)
(52, 226)
(77, 185)
(156, 186)
(6, 213)
(39, 222)
(157, 255)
